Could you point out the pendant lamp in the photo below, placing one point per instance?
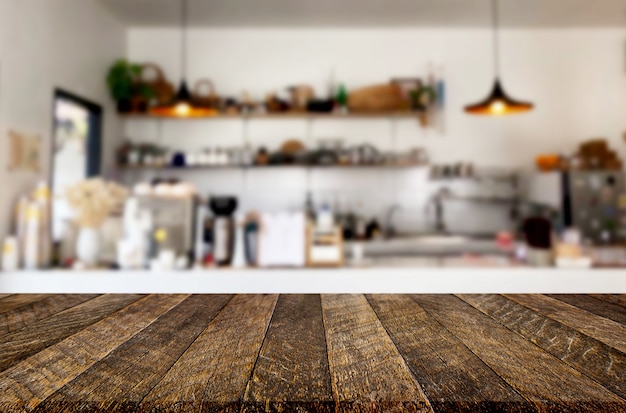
(182, 105)
(498, 103)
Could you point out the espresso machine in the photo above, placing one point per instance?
(223, 229)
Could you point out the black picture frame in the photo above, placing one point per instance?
(94, 139)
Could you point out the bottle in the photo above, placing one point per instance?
(42, 197)
(360, 230)
(309, 207)
(20, 226)
(342, 99)
(32, 258)
(239, 255)
(10, 254)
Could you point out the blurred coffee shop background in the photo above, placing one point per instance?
(273, 133)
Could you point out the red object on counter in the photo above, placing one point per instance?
(505, 240)
(208, 260)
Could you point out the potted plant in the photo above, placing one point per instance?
(128, 92)
(142, 95)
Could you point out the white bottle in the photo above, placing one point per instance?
(239, 255)
(32, 239)
(131, 213)
(10, 254)
(42, 197)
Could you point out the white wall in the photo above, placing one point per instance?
(46, 44)
(575, 77)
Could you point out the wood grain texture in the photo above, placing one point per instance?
(452, 377)
(27, 314)
(600, 328)
(367, 372)
(25, 385)
(36, 337)
(291, 373)
(121, 380)
(306, 353)
(594, 305)
(595, 359)
(213, 373)
(17, 300)
(619, 299)
(541, 378)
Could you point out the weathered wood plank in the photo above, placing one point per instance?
(594, 305)
(17, 346)
(212, 374)
(4, 295)
(27, 314)
(123, 378)
(367, 372)
(17, 300)
(291, 373)
(453, 378)
(595, 359)
(600, 328)
(619, 299)
(538, 376)
(25, 385)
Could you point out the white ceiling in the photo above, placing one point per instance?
(421, 13)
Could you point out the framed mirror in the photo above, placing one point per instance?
(76, 150)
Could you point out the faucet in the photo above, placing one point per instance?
(390, 230)
(437, 201)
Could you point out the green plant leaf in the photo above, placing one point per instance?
(120, 80)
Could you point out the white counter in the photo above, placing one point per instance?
(359, 280)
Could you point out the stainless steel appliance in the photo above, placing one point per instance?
(594, 202)
(174, 217)
(223, 229)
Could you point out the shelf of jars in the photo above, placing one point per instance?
(293, 153)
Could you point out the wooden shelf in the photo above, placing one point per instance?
(261, 167)
(421, 116)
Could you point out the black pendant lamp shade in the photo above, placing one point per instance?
(183, 94)
(498, 103)
(182, 105)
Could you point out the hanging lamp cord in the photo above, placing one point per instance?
(496, 44)
(183, 40)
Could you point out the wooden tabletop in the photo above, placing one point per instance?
(312, 353)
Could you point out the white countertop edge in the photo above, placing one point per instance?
(321, 281)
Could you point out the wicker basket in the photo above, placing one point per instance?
(164, 91)
(379, 98)
(204, 95)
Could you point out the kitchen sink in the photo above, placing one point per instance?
(428, 245)
(443, 240)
